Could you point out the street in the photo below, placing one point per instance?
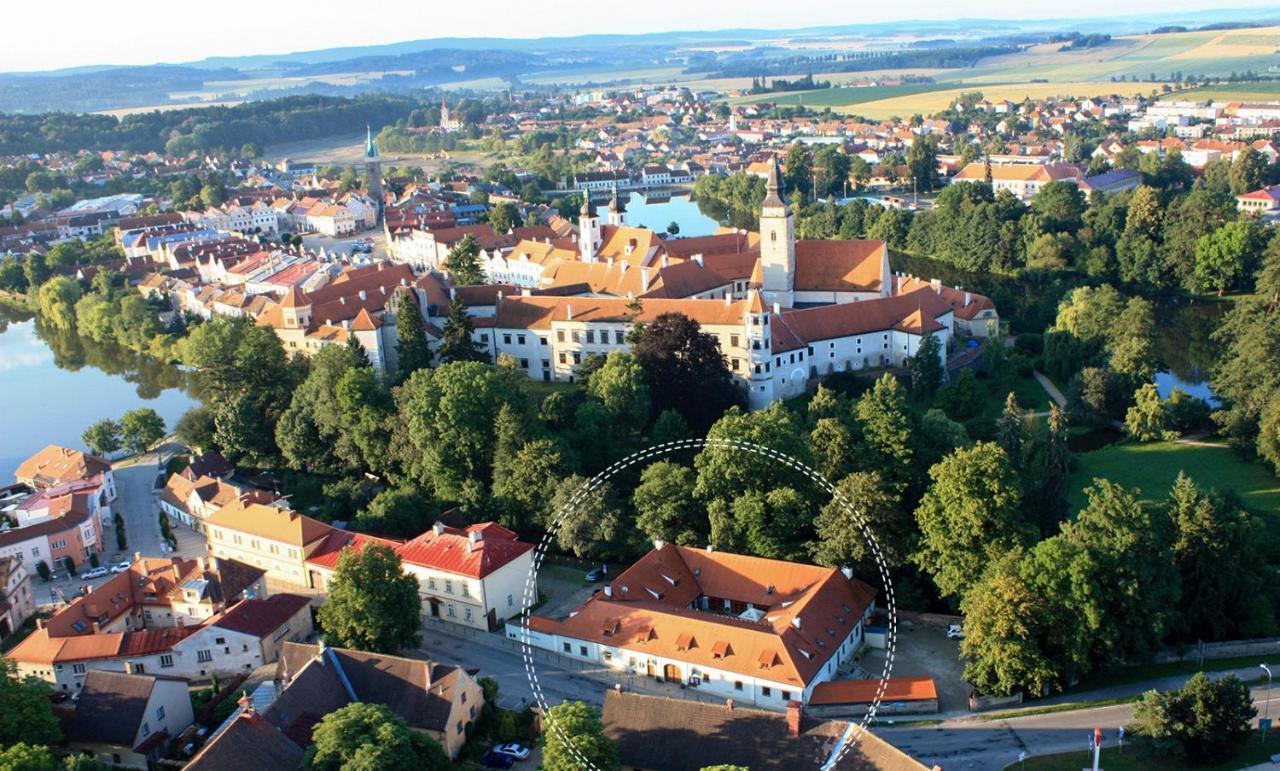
(136, 502)
(970, 743)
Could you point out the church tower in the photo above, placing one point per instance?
(373, 169)
(589, 237)
(777, 244)
(617, 210)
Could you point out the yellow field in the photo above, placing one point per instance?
(123, 111)
(836, 78)
(904, 106)
(1256, 43)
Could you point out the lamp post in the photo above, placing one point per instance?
(1266, 711)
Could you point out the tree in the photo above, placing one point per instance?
(1219, 555)
(863, 503)
(665, 506)
(1003, 632)
(28, 757)
(1226, 256)
(587, 521)
(1248, 171)
(673, 228)
(1053, 463)
(464, 262)
(103, 437)
(35, 269)
(1205, 722)
(970, 516)
(1011, 432)
(141, 428)
(397, 512)
(373, 605)
(922, 163)
(1060, 206)
(529, 481)
(962, 398)
(362, 736)
(926, 367)
(685, 370)
(447, 416)
(456, 343)
(56, 302)
(887, 429)
(620, 387)
(1123, 583)
(1133, 346)
(575, 739)
(1145, 420)
(26, 714)
(726, 470)
(412, 350)
(503, 217)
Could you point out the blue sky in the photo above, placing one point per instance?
(78, 32)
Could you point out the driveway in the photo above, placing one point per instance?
(565, 588)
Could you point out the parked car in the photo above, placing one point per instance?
(57, 697)
(517, 751)
(97, 573)
(955, 632)
(595, 574)
(121, 567)
(497, 760)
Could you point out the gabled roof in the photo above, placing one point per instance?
(270, 522)
(56, 464)
(475, 551)
(912, 312)
(262, 617)
(840, 266)
(110, 708)
(250, 741)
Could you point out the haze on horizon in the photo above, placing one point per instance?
(140, 32)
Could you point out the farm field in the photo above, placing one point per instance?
(931, 101)
(1234, 92)
(1153, 468)
(350, 150)
(845, 97)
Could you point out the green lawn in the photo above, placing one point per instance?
(1234, 92)
(1143, 672)
(1153, 468)
(1113, 759)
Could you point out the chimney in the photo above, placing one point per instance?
(39, 623)
(438, 528)
(568, 312)
(525, 292)
(710, 548)
(728, 299)
(968, 298)
(777, 309)
(475, 536)
(658, 543)
(644, 279)
(664, 259)
(137, 555)
(848, 572)
(795, 621)
(608, 590)
(795, 716)
(246, 704)
(696, 258)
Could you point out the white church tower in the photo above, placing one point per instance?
(777, 244)
(589, 236)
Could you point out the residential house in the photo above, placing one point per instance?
(17, 602)
(128, 720)
(55, 465)
(276, 540)
(438, 700)
(248, 741)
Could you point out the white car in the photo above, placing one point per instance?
(120, 568)
(517, 751)
(955, 632)
(96, 573)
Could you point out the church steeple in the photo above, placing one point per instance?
(777, 243)
(370, 147)
(617, 210)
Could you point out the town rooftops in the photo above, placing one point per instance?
(269, 522)
(55, 464)
(474, 551)
(806, 612)
(262, 617)
(538, 312)
(250, 741)
(110, 708)
(1019, 172)
(682, 735)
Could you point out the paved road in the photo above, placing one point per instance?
(966, 744)
(137, 503)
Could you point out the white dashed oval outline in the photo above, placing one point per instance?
(529, 596)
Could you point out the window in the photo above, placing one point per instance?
(786, 695)
(431, 583)
(459, 727)
(484, 337)
(542, 340)
(448, 585)
(77, 669)
(146, 729)
(452, 613)
(737, 685)
(139, 669)
(582, 650)
(510, 601)
(204, 655)
(466, 592)
(607, 655)
(60, 544)
(467, 614)
(166, 661)
(766, 691)
(220, 640)
(568, 648)
(464, 697)
(560, 335)
(520, 339)
(619, 336)
(591, 335)
(577, 336)
(577, 357)
(160, 713)
(564, 359)
(524, 363)
(506, 339)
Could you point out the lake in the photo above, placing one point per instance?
(55, 385)
(1185, 346)
(681, 210)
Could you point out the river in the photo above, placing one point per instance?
(55, 385)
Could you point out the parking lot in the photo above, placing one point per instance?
(343, 245)
(925, 651)
(565, 588)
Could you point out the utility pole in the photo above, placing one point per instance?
(1265, 723)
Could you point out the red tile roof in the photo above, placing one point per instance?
(262, 617)
(452, 550)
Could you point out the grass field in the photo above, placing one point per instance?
(1153, 468)
(846, 97)
(1252, 753)
(1234, 92)
(931, 101)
